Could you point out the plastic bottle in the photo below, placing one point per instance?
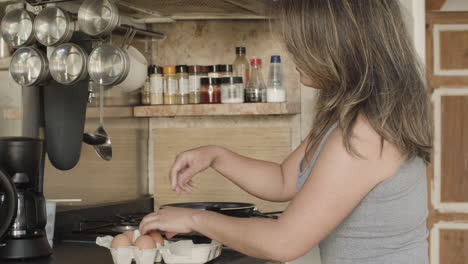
(256, 90)
(275, 90)
(241, 65)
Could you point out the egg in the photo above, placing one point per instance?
(158, 239)
(129, 234)
(145, 242)
(121, 241)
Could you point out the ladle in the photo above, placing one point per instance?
(100, 140)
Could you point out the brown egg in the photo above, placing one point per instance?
(121, 241)
(145, 242)
(129, 234)
(157, 238)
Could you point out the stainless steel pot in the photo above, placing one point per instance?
(29, 66)
(98, 17)
(53, 26)
(68, 64)
(108, 65)
(17, 28)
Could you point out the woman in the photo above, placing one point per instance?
(357, 184)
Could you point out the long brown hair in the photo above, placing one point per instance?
(361, 56)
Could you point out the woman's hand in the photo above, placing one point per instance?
(171, 220)
(187, 164)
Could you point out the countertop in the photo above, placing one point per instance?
(90, 253)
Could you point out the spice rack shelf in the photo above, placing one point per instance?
(111, 112)
(218, 109)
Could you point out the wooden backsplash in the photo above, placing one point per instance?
(267, 143)
(95, 180)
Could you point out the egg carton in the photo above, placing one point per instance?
(186, 252)
(179, 252)
(125, 255)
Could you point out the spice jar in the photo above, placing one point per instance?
(232, 90)
(210, 91)
(196, 72)
(170, 85)
(213, 71)
(225, 70)
(157, 85)
(183, 82)
(146, 91)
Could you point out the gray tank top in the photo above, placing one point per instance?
(388, 226)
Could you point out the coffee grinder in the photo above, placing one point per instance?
(22, 230)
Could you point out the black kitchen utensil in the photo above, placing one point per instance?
(65, 114)
(227, 208)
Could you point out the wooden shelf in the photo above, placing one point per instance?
(218, 109)
(110, 112)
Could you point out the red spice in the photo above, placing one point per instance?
(213, 97)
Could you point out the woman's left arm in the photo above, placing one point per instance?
(338, 182)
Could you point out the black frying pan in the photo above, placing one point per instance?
(225, 208)
(243, 210)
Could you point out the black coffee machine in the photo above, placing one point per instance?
(22, 203)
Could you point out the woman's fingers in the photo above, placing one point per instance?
(149, 219)
(178, 166)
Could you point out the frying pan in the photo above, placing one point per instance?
(227, 208)
(243, 210)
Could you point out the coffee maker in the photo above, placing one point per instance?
(22, 203)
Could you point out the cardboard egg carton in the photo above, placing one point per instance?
(184, 251)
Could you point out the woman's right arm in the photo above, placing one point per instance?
(263, 179)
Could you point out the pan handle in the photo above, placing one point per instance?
(272, 215)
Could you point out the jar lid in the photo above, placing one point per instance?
(181, 69)
(205, 81)
(215, 81)
(240, 50)
(213, 68)
(210, 81)
(224, 67)
(169, 69)
(159, 70)
(197, 69)
(275, 59)
(256, 62)
(231, 80)
(151, 69)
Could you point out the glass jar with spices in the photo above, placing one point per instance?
(225, 70)
(183, 82)
(232, 90)
(196, 72)
(213, 71)
(157, 85)
(170, 85)
(146, 90)
(210, 91)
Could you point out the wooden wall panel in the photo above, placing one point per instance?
(452, 52)
(95, 180)
(453, 246)
(454, 148)
(453, 49)
(267, 143)
(434, 4)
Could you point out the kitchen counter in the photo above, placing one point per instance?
(90, 253)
